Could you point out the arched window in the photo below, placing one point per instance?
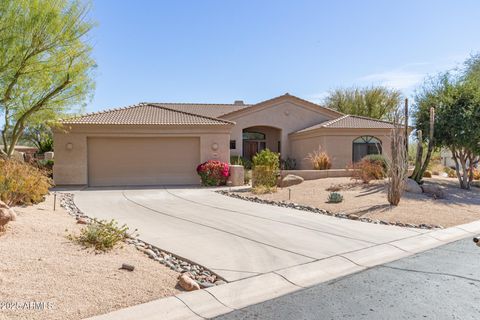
(253, 136)
(365, 145)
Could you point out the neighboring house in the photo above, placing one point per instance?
(162, 143)
(447, 158)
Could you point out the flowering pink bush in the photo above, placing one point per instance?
(213, 172)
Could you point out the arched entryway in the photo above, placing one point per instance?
(365, 145)
(258, 138)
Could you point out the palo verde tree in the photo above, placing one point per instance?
(456, 98)
(45, 63)
(374, 102)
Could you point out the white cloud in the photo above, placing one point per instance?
(318, 97)
(397, 79)
(408, 76)
(405, 78)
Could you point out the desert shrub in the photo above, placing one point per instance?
(265, 168)
(264, 176)
(379, 159)
(262, 189)
(44, 165)
(213, 173)
(335, 197)
(247, 176)
(267, 158)
(319, 160)
(427, 174)
(239, 160)
(366, 171)
(48, 164)
(435, 168)
(288, 164)
(450, 172)
(22, 183)
(102, 235)
(476, 174)
(335, 187)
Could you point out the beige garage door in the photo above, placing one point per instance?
(143, 161)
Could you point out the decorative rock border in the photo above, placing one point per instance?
(302, 207)
(204, 277)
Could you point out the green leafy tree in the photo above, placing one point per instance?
(456, 98)
(374, 102)
(39, 135)
(45, 63)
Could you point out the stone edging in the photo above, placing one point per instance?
(204, 277)
(302, 207)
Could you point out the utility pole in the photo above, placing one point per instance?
(406, 127)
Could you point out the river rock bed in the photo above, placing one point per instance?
(292, 205)
(204, 277)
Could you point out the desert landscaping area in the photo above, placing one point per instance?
(185, 160)
(40, 265)
(369, 200)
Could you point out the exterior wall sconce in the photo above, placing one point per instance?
(69, 146)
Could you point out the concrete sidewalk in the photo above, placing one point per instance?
(264, 251)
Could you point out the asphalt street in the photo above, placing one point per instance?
(442, 283)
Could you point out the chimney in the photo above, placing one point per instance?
(238, 102)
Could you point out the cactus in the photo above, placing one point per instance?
(335, 197)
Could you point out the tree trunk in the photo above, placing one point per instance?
(461, 162)
(419, 155)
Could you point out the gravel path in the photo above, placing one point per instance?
(37, 263)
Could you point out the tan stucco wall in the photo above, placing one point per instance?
(286, 115)
(337, 143)
(71, 166)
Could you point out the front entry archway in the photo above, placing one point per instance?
(256, 139)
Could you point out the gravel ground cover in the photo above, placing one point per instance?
(368, 202)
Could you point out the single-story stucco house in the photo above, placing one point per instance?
(162, 143)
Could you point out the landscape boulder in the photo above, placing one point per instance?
(6, 214)
(187, 283)
(433, 190)
(412, 186)
(290, 180)
(48, 155)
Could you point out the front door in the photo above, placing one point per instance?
(252, 147)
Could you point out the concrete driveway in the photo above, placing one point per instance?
(237, 239)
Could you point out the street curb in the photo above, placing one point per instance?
(225, 298)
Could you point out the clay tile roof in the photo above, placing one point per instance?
(204, 109)
(146, 114)
(352, 122)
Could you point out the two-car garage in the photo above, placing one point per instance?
(142, 161)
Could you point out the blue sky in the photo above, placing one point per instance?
(218, 51)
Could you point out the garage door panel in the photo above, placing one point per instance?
(143, 161)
